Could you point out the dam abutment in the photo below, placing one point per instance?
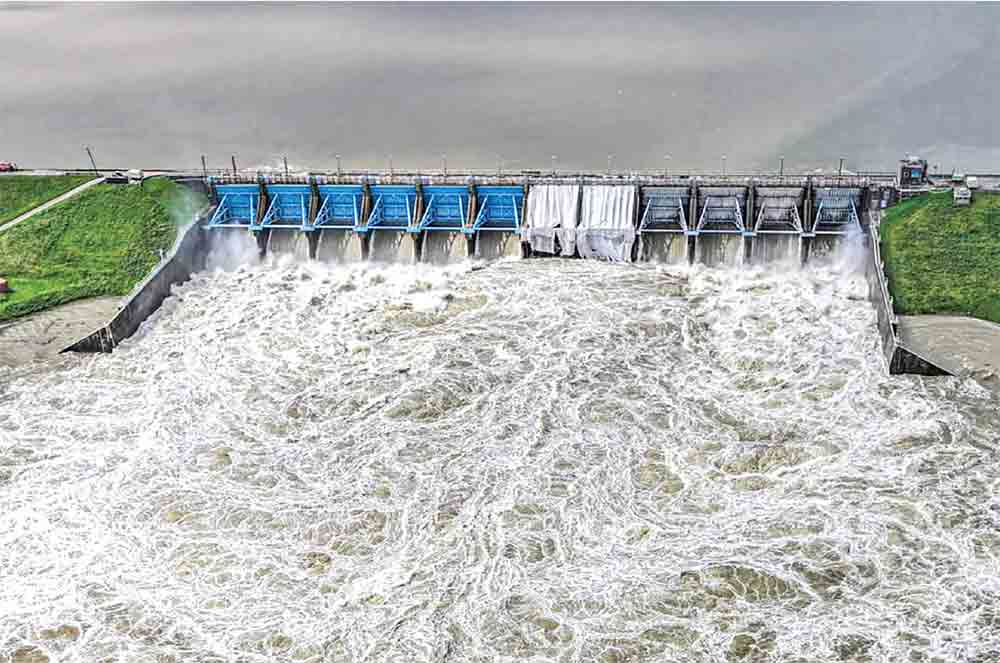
(188, 255)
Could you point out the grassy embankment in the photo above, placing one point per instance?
(20, 193)
(100, 243)
(944, 259)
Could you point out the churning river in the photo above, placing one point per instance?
(541, 460)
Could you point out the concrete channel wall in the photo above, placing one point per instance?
(186, 257)
(900, 359)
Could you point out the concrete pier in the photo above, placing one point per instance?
(334, 245)
(719, 250)
(490, 245)
(394, 246)
(665, 248)
(443, 247)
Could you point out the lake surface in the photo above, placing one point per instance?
(488, 85)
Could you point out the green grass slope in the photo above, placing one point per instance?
(944, 259)
(20, 193)
(100, 243)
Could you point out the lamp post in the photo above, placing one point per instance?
(666, 165)
(610, 158)
(554, 158)
(723, 165)
(781, 166)
(338, 165)
(444, 163)
(840, 169)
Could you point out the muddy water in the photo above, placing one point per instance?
(43, 335)
(537, 460)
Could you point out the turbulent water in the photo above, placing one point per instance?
(542, 460)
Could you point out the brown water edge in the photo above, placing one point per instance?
(42, 335)
(965, 346)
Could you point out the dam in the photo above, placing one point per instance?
(711, 220)
(724, 222)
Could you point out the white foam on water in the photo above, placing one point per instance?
(532, 460)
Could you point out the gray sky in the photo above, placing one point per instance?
(159, 85)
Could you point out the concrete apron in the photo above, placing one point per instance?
(776, 249)
(339, 246)
(494, 244)
(719, 250)
(393, 246)
(664, 248)
(440, 247)
(282, 242)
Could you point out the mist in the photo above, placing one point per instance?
(157, 86)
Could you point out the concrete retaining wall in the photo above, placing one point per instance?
(900, 359)
(185, 258)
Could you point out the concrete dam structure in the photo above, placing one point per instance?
(717, 221)
(436, 218)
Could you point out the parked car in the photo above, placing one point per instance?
(7, 166)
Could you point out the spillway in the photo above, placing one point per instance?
(443, 248)
(393, 246)
(721, 250)
(288, 243)
(776, 249)
(543, 459)
(339, 246)
(491, 246)
(440, 219)
(664, 249)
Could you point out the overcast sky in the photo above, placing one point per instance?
(159, 85)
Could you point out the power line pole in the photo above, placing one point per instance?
(204, 167)
(234, 165)
(92, 162)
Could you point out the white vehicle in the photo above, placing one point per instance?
(972, 182)
(962, 196)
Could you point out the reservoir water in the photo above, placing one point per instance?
(539, 460)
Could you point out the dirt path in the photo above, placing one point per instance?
(42, 335)
(55, 201)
